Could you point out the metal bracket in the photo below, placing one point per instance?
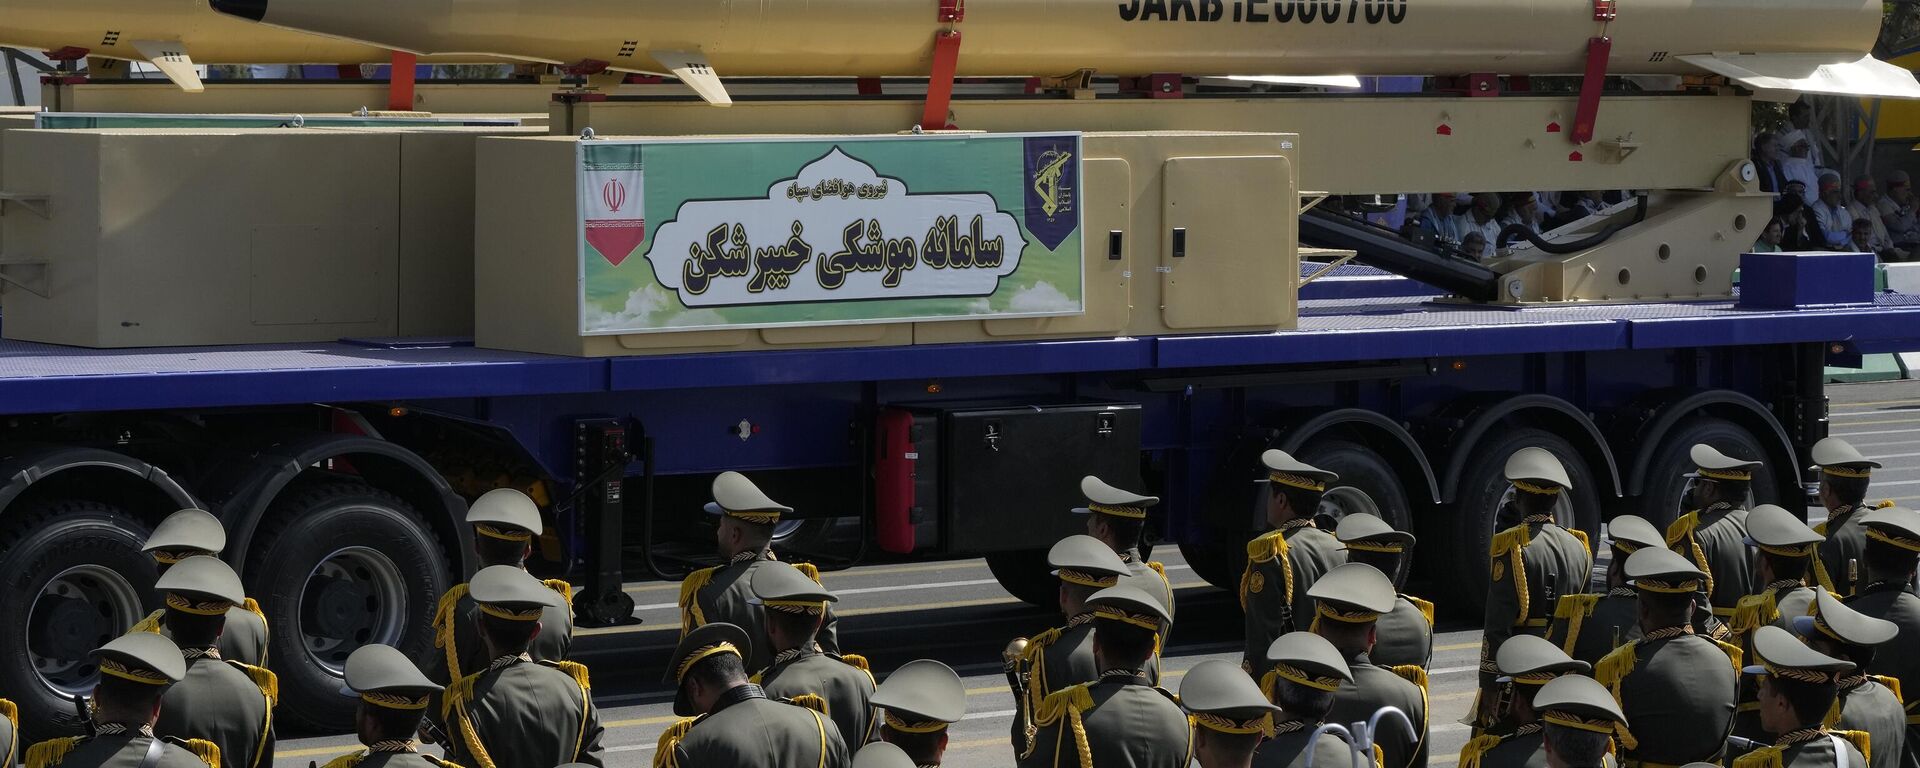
(1323, 271)
(36, 204)
(1314, 199)
(40, 287)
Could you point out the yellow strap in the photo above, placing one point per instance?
(691, 617)
(1892, 684)
(860, 663)
(443, 626)
(663, 756)
(151, 623)
(1585, 543)
(1036, 659)
(51, 752)
(1574, 609)
(1683, 530)
(472, 737)
(1860, 740)
(347, 760)
(820, 725)
(1476, 748)
(578, 672)
(269, 686)
(1414, 673)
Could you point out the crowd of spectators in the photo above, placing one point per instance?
(1471, 223)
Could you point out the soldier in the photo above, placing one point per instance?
(1116, 517)
(882, 755)
(1796, 692)
(1589, 626)
(721, 593)
(1530, 566)
(1844, 475)
(1714, 534)
(1528, 663)
(1283, 564)
(1580, 718)
(736, 724)
(1406, 632)
(1122, 719)
(505, 523)
(1349, 600)
(516, 711)
(1062, 657)
(1868, 703)
(1786, 548)
(1307, 671)
(224, 702)
(135, 671)
(191, 532)
(918, 702)
(1678, 686)
(1230, 716)
(1893, 543)
(794, 606)
(393, 698)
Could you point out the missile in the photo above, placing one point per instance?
(173, 35)
(703, 40)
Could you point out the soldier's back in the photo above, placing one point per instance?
(760, 733)
(398, 760)
(1127, 726)
(1524, 748)
(1374, 687)
(1557, 563)
(1680, 697)
(1068, 660)
(220, 703)
(1818, 753)
(1894, 603)
(1405, 636)
(845, 687)
(1313, 552)
(1873, 709)
(1289, 750)
(525, 714)
(245, 638)
(125, 750)
(1723, 540)
(1612, 620)
(1837, 562)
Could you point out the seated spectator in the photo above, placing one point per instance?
(1798, 164)
(1766, 160)
(1900, 212)
(1519, 208)
(1439, 221)
(1770, 237)
(1793, 214)
(1473, 245)
(1861, 239)
(1483, 217)
(1830, 214)
(1865, 206)
(1549, 205)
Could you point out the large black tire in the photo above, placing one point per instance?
(1468, 533)
(339, 564)
(1659, 501)
(1026, 575)
(1219, 563)
(1370, 483)
(75, 579)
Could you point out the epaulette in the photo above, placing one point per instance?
(1267, 547)
(1860, 740)
(1574, 610)
(253, 607)
(663, 756)
(1682, 527)
(457, 694)
(1820, 528)
(207, 751)
(1066, 707)
(811, 701)
(1158, 567)
(858, 662)
(1268, 682)
(1585, 543)
(1476, 748)
(1511, 544)
(1754, 611)
(562, 588)
(151, 623)
(573, 669)
(264, 678)
(1764, 757)
(347, 760)
(49, 753)
(1509, 540)
(1413, 673)
(691, 617)
(1614, 667)
(1426, 608)
(1039, 642)
(1733, 652)
(812, 571)
(1271, 547)
(1884, 504)
(1892, 684)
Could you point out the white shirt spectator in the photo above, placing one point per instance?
(1836, 225)
(1902, 222)
(1857, 210)
(1490, 231)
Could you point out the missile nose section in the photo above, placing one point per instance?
(251, 10)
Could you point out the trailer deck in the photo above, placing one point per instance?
(43, 378)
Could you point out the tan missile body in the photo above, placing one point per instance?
(875, 38)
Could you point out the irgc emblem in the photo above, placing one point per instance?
(1053, 183)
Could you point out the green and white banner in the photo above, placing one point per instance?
(755, 233)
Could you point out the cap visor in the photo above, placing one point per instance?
(1082, 511)
(1804, 626)
(713, 508)
(1755, 669)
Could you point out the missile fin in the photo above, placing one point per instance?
(692, 68)
(171, 58)
(1784, 76)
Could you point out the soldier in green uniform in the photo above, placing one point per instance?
(1785, 553)
(1589, 626)
(1527, 663)
(1869, 703)
(1121, 720)
(794, 606)
(882, 755)
(1530, 565)
(1406, 632)
(516, 711)
(1581, 719)
(225, 702)
(135, 671)
(1348, 602)
(1116, 518)
(1307, 672)
(1284, 563)
(1061, 657)
(1844, 476)
(721, 593)
(1796, 691)
(1714, 534)
(505, 522)
(1893, 544)
(731, 722)
(1230, 716)
(188, 533)
(918, 702)
(393, 698)
(1678, 686)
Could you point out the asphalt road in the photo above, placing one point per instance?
(954, 611)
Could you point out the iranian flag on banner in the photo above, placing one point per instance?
(611, 207)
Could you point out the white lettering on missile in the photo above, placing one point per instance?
(836, 231)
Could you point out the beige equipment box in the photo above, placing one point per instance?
(1234, 194)
(153, 237)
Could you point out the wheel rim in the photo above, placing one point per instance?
(354, 597)
(80, 608)
(786, 528)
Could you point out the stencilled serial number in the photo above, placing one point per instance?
(1265, 11)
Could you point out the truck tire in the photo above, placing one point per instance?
(79, 579)
(1217, 563)
(1659, 500)
(1483, 486)
(1026, 575)
(339, 564)
(1367, 484)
